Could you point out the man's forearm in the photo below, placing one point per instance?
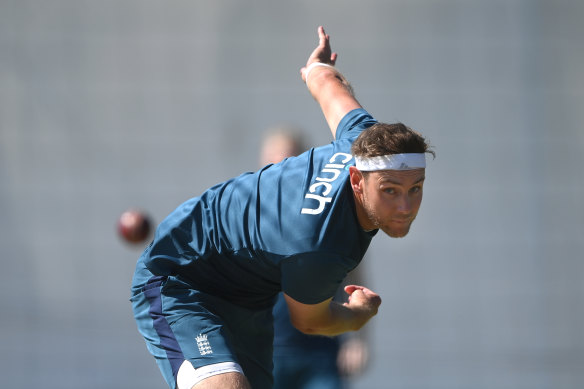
(341, 319)
(333, 93)
(323, 82)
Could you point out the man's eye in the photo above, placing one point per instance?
(415, 189)
(389, 190)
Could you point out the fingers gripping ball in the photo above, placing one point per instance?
(134, 226)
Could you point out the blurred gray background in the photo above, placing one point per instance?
(107, 105)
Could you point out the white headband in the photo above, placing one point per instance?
(391, 162)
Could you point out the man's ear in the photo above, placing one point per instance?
(356, 178)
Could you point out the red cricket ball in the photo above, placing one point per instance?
(134, 226)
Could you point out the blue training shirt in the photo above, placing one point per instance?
(290, 226)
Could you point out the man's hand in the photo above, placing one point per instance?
(322, 53)
(327, 85)
(362, 300)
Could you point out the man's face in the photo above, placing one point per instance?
(390, 200)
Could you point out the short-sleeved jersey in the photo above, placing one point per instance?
(290, 226)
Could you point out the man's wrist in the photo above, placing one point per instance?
(337, 75)
(311, 67)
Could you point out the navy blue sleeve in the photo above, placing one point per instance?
(314, 277)
(354, 122)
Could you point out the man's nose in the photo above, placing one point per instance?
(404, 204)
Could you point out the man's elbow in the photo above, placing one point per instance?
(306, 327)
(309, 331)
(303, 327)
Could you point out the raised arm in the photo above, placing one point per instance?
(326, 84)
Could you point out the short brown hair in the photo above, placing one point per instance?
(384, 139)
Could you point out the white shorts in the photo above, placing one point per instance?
(188, 376)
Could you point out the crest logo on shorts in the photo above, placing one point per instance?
(203, 344)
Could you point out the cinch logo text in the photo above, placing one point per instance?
(329, 173)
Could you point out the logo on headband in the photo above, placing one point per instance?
(407, 161)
